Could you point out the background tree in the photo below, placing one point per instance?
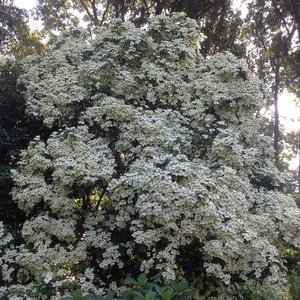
(16, 130)
(16, 39)
(14, 26)
(15, 35)
(272, 28)
(11, 137)
(216, 19)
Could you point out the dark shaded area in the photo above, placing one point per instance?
(16, 131)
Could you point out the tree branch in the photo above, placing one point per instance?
(95, 14)
(281, 16)
(104, 13)
(101, 197)
(295, 8)
(93, 20)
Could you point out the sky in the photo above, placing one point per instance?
(28, 4)
(289, 112)
(290, 118)
(287, 109)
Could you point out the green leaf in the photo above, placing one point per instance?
(132, 281)
(67, 298)
(174, 284)
(110, 295)
(182, 287)
(150, 295)
(78, 295)
(186, 295)
(159, 290)
(149, 285)
(92, 297)
(126, 294)
(142, 279)
(139, 295)
(144, 290)
(169, 293)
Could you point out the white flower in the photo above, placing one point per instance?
(48, 277)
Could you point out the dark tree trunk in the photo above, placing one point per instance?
(299, 164)
(276, 117)
(159, 7)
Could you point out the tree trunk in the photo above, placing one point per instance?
(276, 117)
(299, 164)
(159, 7)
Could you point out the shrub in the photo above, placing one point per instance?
(154, 163)
(142, 289)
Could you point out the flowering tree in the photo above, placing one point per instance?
(154, 163)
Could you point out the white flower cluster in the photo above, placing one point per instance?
(5, 237)
(157, 165)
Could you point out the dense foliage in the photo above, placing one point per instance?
(142, 289)
(16, 38)
(16, 131)
(272, 26)
(152, 163)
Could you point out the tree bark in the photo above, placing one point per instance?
(159, 7)
(276, 117)
(299, 164)
(93, 16)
